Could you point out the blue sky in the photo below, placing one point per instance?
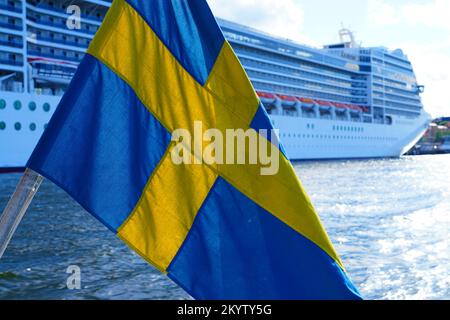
(420, 27)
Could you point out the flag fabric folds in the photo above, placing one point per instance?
(220, 231)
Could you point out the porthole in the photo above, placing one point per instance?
(17, 126)
(46, 107)
(2, 125)
(32, 105)
(45, 126)
(32, 126)
(2, 104)
(17, 105)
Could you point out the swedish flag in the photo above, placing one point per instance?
(220, 231)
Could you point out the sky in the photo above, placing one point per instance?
(421, 28)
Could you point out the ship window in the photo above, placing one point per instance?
(17, 105)
(46, 107)
(32, 105)
(2, 104)
(32, 126)
(45, 126)
(17, 126)
(2, 125)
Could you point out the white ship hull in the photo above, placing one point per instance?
(16, 145)
(309, 138)
(303, 138)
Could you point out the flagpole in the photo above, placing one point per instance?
(17, 206)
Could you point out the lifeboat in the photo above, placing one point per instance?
(365, 109)
(266, 96)
(354, 108)
(53, 70)
(286, 98)
(307, 104)
(324, 105)
(340, 106)
(288, 103)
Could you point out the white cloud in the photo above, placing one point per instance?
(430, 14)
(382, 13)
(431, 64)
(430, 58)
(281, 18)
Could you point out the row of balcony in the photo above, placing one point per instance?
(8, 7)
(63, 42)
(60, 10)
(11, 62)
(13, 44)
(12, 26)
(55, 56)
(59, 24)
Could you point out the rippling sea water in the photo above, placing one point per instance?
(389, 221)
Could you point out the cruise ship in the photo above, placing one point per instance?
(339, 101)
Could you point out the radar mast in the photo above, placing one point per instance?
(347, 37)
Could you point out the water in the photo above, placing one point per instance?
(389, 221)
